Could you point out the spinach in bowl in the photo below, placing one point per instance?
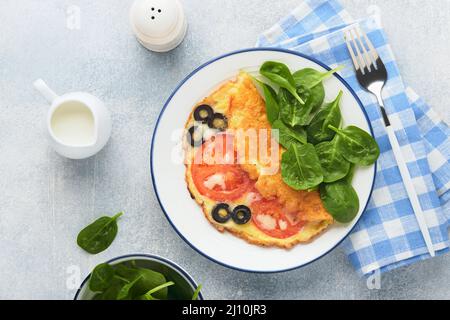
(138, 279)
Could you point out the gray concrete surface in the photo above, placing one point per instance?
(45, 199)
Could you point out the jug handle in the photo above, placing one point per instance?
(42, 87)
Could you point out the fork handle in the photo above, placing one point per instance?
(410, 189)
(377, 93)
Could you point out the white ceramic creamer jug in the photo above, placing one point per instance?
(78, 123)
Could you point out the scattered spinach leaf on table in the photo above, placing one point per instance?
(334, 165)
(340, 200)
(300, 167)
(99, 235)
(356, 145)
(330, 114)
(280, 74)
(288, 136)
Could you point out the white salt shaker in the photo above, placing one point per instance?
(159, 25)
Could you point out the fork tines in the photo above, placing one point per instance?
(362, 51)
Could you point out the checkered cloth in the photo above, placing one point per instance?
(387, 236)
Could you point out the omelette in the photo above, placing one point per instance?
(239, 192)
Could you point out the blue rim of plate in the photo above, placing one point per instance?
(150, 256)
(176, 90)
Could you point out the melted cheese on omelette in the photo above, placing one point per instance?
(240, 101)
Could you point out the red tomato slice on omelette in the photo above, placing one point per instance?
(269, 217)
(215, 172)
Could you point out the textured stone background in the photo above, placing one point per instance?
(45, 199)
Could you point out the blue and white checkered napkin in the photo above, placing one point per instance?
(387, 235)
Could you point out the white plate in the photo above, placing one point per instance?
(168, 175)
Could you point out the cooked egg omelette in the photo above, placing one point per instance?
(242, 194)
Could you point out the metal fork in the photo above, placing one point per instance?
(372, 76)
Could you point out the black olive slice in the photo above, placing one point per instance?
(221, 213)
(241, 215)
(203, 113)
(218, 121)
(194, 136)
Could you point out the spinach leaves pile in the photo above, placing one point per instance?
(123, 281)
(127, 281)
(319, 154)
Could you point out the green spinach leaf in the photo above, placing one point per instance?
(149, 279)
(98, 296)
(307, 95)
(280, 74)
(101, 277)
(334, 165)
(271, 100)
(300, 167)
(99, 235)
(124, 271)
(197, 292)
(351, 173)
(310, 77)
(340, 200)
(127, 281)
(330, 114)
(356, 145)
(316, 97)
(313, 80)
(272, 107)
(317, 92)
(113, 289)
(124, 292)
(148, 295)
(288, 136)
(292, 112)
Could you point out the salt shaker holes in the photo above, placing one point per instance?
(153, 9)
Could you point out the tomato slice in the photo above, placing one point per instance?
(215, 172)
(269, 217)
